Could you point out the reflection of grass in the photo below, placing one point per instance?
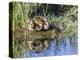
(66, 17)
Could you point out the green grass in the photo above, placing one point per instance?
(62, 15)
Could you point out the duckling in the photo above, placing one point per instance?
(38, 23)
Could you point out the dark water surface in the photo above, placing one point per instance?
(56, 48)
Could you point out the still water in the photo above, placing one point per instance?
(56, 48)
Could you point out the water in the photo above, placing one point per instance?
(56, 48)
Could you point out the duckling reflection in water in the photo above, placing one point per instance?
(38, 23)
(38, 45)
